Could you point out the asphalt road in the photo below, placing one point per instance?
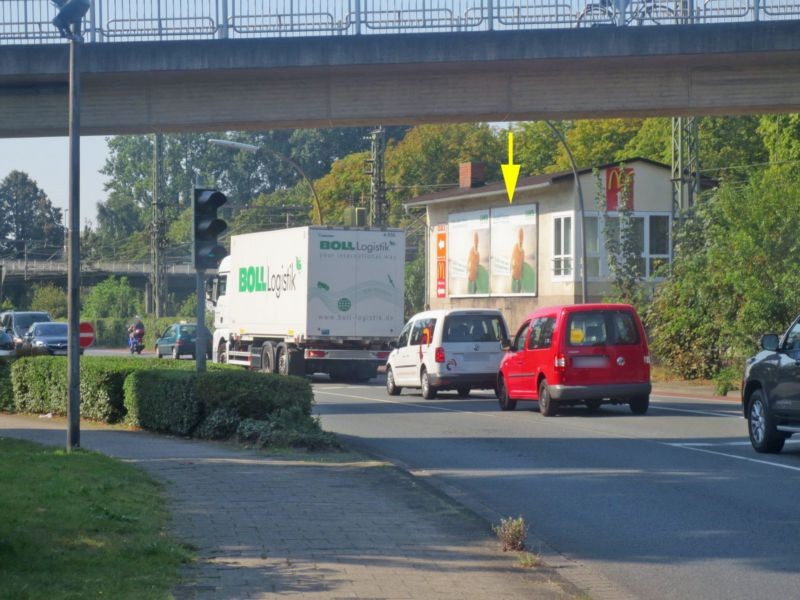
(672, 504)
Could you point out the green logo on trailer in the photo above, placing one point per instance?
(345, 304)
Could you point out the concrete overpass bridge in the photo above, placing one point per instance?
(16, 274)
(228, 65)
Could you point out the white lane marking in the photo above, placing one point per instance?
(745, 458)
(417, 404)
(698, 412)
(703, 444)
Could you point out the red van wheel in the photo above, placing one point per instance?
(547, 406)
(506, 403)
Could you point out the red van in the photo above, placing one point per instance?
(578, 354)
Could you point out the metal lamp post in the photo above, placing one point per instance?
(563, 140)
(68, 22)
(253, 149)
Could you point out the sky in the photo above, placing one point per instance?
(46, 161)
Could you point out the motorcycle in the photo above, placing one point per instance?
(136, 341)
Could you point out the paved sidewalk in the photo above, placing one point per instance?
(692, 390)
(265, 526)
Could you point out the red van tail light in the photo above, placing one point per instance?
(439, 355)
(560, 362)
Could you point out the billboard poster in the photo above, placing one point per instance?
(468, 253)
(514, 247)
(441, 262)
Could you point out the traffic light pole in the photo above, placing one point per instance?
(202, 343)
(74, 254)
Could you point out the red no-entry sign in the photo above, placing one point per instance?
(86, 337)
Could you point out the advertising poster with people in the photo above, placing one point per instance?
(468, 253)
(513, 245)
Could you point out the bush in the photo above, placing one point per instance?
(162, 400)
(221, 424)
(727, 379)
(40, 383)
(511, 532)
(6, 390)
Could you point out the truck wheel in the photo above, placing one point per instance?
(764, 435)
(290, 362)
(391, 388)
(547, 406)
(267, 365)
(428, 391)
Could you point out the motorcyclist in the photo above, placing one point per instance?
(136, 333)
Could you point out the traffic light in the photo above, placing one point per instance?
(207, 227)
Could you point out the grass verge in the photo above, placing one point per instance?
(81, 525)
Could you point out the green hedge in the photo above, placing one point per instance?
(40, 383)
(180, 402)
(170, 397)
(162, 401)
(6, 390)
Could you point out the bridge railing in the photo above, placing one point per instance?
(28, 21)
(45, 267)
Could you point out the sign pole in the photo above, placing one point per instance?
(200, 340)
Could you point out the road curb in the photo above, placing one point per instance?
(585, 579)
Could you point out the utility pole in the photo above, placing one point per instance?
(158, 233)
(375, 169)
(685, 164)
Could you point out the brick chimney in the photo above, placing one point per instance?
(471, 175)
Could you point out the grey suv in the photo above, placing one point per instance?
(17, 322)
(771, 390)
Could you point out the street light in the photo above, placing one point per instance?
(253, 149)
(557, 132)
(68, 22)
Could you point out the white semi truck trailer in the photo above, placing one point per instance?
(310, 299)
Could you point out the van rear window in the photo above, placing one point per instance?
(473, 328)
(601, 327)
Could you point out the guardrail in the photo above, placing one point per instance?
(29, 21)
(41, 267)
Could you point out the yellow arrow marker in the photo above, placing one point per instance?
(510, 171)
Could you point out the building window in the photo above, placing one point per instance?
(562, 246)
(651, 241)
(593, 250)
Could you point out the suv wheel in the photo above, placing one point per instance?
(547, 406)
(428, 391)
(640, 404)
(764, 435)
(506, 403)
(391, 388)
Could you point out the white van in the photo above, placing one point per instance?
(447, 350)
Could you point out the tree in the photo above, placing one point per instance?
(28, 216)
(781, 137)
(427, 159)
(415, 285)
(597, 142)
(536, 146)
(653, 140)
(734, 276)
(344, 186)
(112, 298)
(50, 298)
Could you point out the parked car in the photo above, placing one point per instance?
(586, 354)
(446, 350)
(46, 338)
(179, 340)
(771, 390)
(7, 346)
(16, 323)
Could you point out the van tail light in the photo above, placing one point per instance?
(560, 362)
(439, 355)
(647, 359)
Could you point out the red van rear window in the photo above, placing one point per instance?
(601, 327)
